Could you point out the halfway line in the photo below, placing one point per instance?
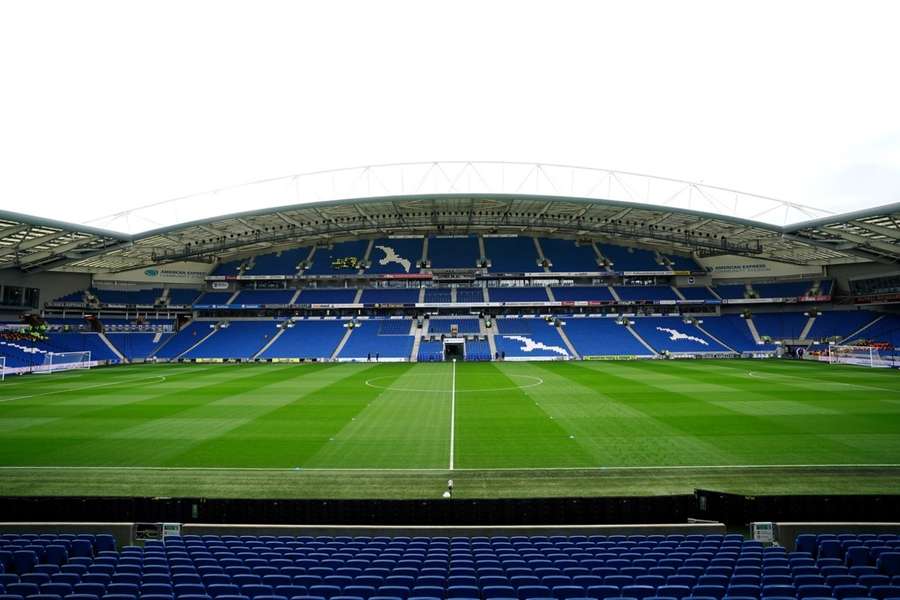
(452, 411)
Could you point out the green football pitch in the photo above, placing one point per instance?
(497, 429)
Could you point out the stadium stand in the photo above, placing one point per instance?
(697, 293)
(236, 339)
(213, 298)
(395, 255)
(784, 289)
(232, 267)
(460, 252)
(341, 259)
(390, 296)
(780, 326)
(674, 335)
(732, 330)
(839, 324)
(431, 351)
(465, 325)
(511, 254)
(307, 339)
(264, 297)
(438, 295)
(367, 339)
(885, 330)
(189, 335)
(478, 350)
(645, 293)
(524, 567)
(603, 337)
(582, 294)
(183, 297)
(529, 338)
(566, 256)
(145, 297)
(285, 262)
(327, 296)
(469, 295)
(731, 291)
(683, 263)
(137, 346)
(518, 294)
(625, 258)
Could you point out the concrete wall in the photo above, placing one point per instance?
(52, 285)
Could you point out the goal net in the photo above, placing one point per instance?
(866, 356)
(65, 361)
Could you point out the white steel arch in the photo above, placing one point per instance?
(460, 177)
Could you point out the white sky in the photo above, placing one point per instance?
(110, 105)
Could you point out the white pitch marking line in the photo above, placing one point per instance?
(452, 412)
(86, 387)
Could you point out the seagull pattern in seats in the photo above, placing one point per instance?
(391, 256)
(531, 345)
(675, 335)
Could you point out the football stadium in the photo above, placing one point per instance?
(454, 379)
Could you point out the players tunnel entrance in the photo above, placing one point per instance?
(454, 349)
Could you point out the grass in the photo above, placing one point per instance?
(384, 431)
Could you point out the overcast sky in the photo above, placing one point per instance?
(111, 105)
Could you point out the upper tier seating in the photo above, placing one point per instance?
(137, 345)
(194, 567)
(731, 291)
(697, 293)
(582, 293)
(396, 255)
(674, 335)
(232, 267)
(512, 254)
(146, 297)
(786, 289)
(631, 259)
(732, 330)
(344, 258)
(453, 252)
(183, 297)
(390, 296)
(683, 263)
(566, 256)
(517, 294)
(327, 296)
(465, 325)
(239, 339)
(73, 297)
(264, 297)
(645, 292)
(438, 295)
(309, 338)
(369, 339)
(826, 286)
(839, 323)
(529, 338)
(469, 295)
(285, 262)
(189, 335)
(213, 298)
(603, 337)
(780, 326)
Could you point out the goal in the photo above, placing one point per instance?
(866, 356)
(2, 368)
(65, 361)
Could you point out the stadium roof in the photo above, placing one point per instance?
(670, 215)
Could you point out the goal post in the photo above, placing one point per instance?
(65, 361)
(2, 368)
(865, 356)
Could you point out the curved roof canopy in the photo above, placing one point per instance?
(36, 244)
